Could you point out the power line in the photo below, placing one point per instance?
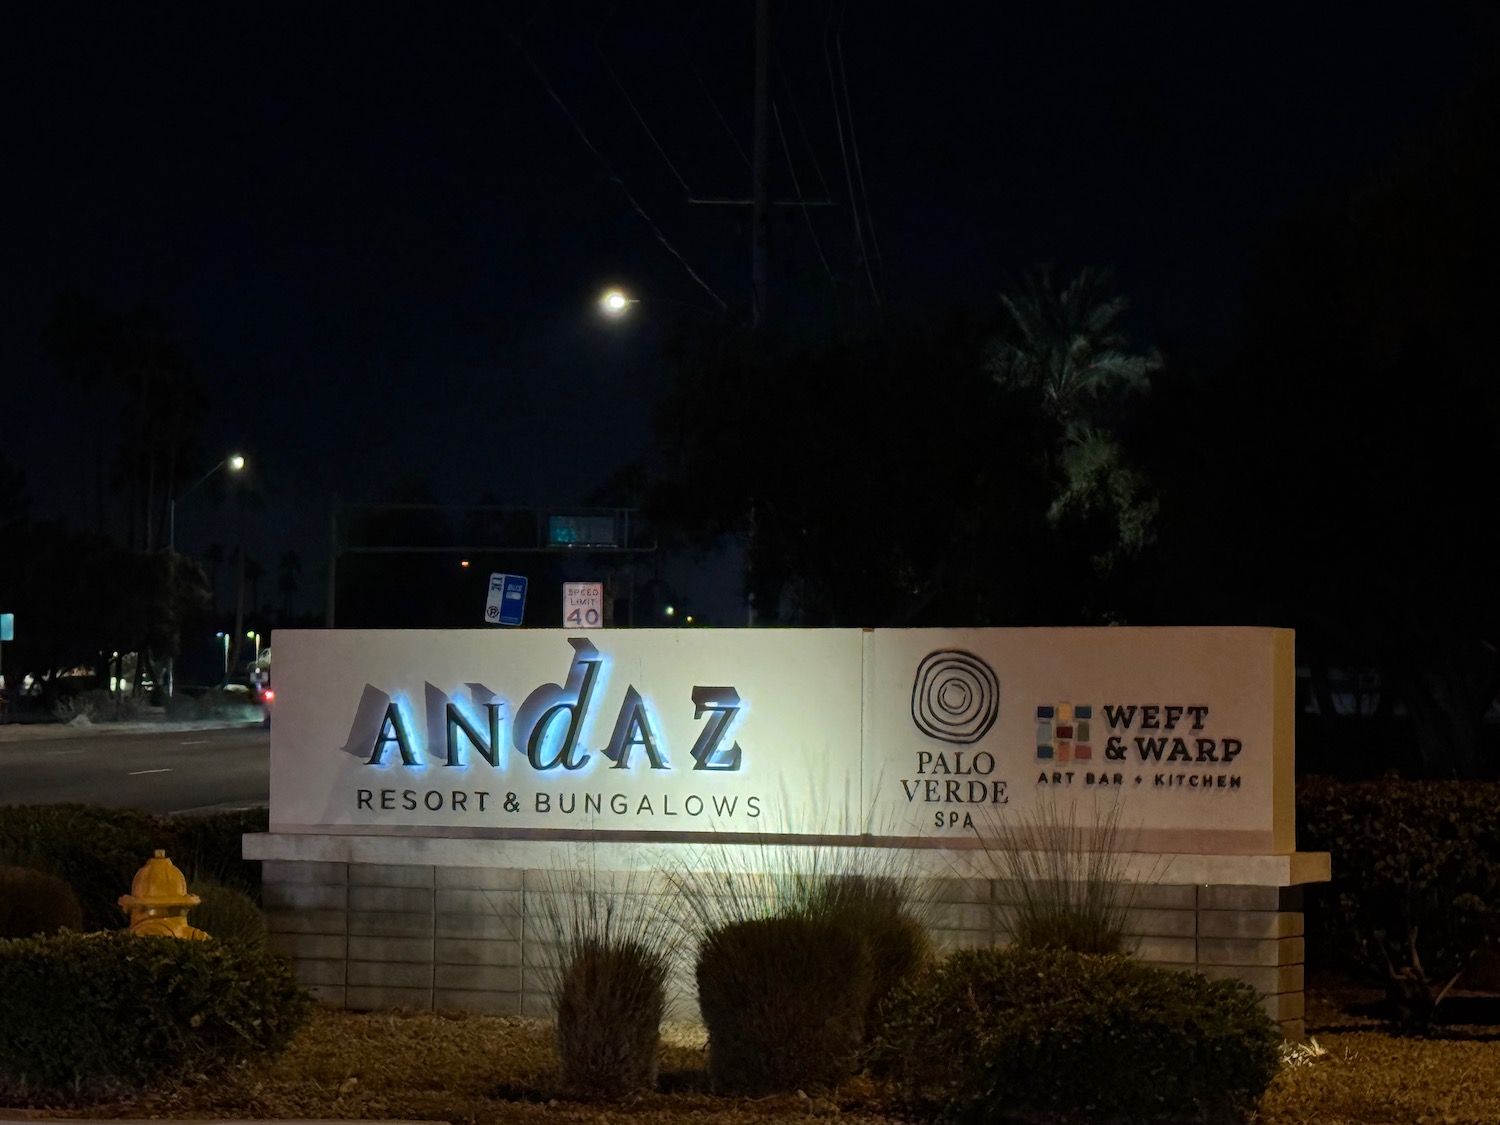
(838, 119)
(812, 152)
(854, 144)
(609, 171)
(624, 93)
(807, 217)
(710, 98)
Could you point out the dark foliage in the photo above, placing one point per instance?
(784, 1001)
(1415, 895)
(34, 902)
(227, 913)
(98, 850)
(92, 1015)
(609, 1008)
(878, 910)
(995, 1036)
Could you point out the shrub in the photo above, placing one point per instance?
(784, 1001)
(609, 1008)
(99, 704)
(227, 913)
(88, 1016)
(880, 910)
(998, 1035)
(1415, 894)
(868, 897)
(97, 851)
(33, 902)
(608, 984)
(210, 846)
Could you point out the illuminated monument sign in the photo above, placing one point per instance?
(846, 733)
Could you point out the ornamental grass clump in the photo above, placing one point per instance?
(797, 948)
(784, 1001)
(1066, 879)
(1026, 1035)
(608, 980)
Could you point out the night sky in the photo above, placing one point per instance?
(381, 238)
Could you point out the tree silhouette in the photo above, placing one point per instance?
(214, 556)
(254, 572)
(288, 573)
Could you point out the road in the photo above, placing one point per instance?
(159, 771)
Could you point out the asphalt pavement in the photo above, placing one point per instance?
(151, 765)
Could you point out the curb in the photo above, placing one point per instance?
(42, 732)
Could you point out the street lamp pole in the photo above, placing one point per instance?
(234, 463)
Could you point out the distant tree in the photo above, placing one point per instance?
(81, 597)
(919, 474)
(213, 555)
(286, 582)
(147, 405)
(1343, 486)
(254, 572)
(15, 500)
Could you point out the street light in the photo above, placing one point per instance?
(252, 635)
(234, 463)
(615, 303)
(225, 637)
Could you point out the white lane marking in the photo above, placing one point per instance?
(197, 742)
(59, 753)
(137, 773)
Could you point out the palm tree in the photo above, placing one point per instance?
(1065, 351)
(1069, 346)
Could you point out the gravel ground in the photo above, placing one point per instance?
(479, 1070)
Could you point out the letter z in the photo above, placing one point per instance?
(724, 703)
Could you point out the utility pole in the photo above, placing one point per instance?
(760, 207)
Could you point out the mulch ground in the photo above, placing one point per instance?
(478, 1070)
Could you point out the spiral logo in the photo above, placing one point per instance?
(956, 696)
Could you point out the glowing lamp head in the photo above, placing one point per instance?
(236, 463)
(614, 303)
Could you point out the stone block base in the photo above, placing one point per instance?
(385, 922)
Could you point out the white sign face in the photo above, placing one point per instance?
(1188, 731)
(583, 605)
(948, 735)
(640, 730)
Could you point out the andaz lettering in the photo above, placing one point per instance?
(548, 726)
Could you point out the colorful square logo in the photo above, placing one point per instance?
(1062, 732)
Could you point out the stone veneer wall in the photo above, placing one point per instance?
(368, 935)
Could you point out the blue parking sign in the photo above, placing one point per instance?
(507, 599)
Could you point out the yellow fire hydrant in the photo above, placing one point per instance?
(158, 901)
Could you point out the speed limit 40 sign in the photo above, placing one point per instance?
(583, 605)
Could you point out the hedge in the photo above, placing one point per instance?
(97, 851)
(1023, 1035)
(1415, 894)
(94, 1015)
